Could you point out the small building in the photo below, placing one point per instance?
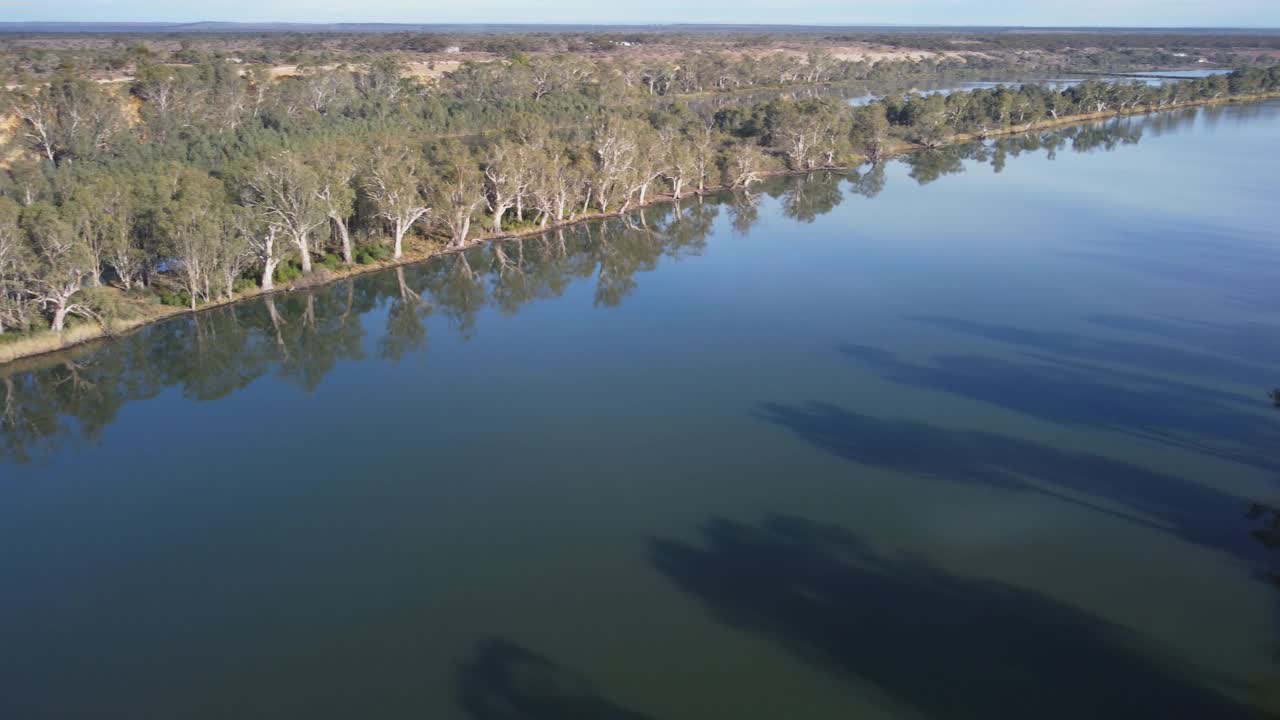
(453, 49)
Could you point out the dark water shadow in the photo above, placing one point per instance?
(941, 645)
(1080, 398)
(1151, 356)
(504, 681)
(1250, 341)
(1247, 402)
(1265, 522)
(1241, 265)
(1188, 510)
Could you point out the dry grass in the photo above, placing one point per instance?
(865, 52)
(42, 343)
(431, 69)
(48, 342)
(132, 312)
(283, 71)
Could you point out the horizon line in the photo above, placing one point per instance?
(635, 23)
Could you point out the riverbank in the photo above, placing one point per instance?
(143, 314)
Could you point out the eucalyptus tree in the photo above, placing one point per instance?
(1056, 104)
(679, 162)
(174, 99)
(648, 165)
(68, 118)
(337, 167)
(395, 179)
(100, 209)
(285, 188)
(705, 148)
(222, 101)
(926, 119)
(458, 190)
(1091, 95)
(261, 234)
(870, 131)
(810, 134)
(507, 174)
(556, 184)
(160, 90)
(196, 222)
(746, 166)
(60, 264)
(613, 148)
(326, 88)
(121, 248)
(14, 263)
(381, 84)
(1028, 109)
(24, 179)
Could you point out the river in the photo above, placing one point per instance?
(980, 433)
(944, 86)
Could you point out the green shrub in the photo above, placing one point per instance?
(178, 298)
(372, 253)
(102, 301)
(288, 272)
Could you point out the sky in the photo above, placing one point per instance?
(1143, 13)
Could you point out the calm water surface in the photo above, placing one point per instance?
(973, 435)
(946, 86)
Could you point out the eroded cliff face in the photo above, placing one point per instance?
(8, 131)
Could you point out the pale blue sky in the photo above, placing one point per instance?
(1150, 13)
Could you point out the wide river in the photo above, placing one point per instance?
(980, 434)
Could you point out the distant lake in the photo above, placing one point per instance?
(981, 433)
(943, 86)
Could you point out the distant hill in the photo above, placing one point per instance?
(43, 27)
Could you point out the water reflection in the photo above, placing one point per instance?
(301, 336)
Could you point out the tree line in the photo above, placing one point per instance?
(203, 183)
